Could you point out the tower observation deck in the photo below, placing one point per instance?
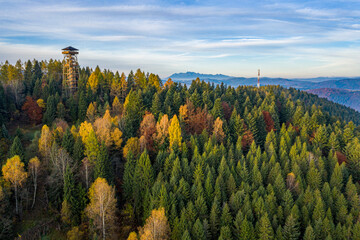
(70, 70)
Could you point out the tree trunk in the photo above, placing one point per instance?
(86, 177)
(16, 201)
(35, 188)
(103, 220)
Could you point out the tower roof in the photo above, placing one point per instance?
(70, 48)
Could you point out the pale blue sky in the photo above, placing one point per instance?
(283, 38)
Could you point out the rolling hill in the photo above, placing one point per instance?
(337, 89)
(346, 97)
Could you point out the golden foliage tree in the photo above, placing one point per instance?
(132, 236)
(102, 206)
(93, 81)
(162, 130)
(116, 106)
(175, 132)
(45, 141)
(75, 234)
(103, 128)
(218, 130)
(13, 172)
(156, 226)
(91, 112)
(40, 102)
(89, 139)
(155, 81)
(84, 131)
(132, 145)
(116, 137)
(168, 83)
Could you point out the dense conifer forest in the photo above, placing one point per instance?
(133, 157)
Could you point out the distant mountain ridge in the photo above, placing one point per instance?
(338, 89)
(345, 97)
(299, 83)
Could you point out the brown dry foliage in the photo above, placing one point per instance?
(32, 109)
(268, 121)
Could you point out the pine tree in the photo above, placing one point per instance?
(225, 233)
(265, 230)
(16, 148)
(156, 106)
(132, 114)
(309, 233)
(78, 150)
(198, 231)
(68, 141)
(186, 235)
(103, 168)
(50, 114)
(82, 107)
(217, 110)
(291, 230)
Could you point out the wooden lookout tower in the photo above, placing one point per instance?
(70, 70)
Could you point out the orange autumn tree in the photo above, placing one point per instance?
(102, 207)
(168, 83)
(218, 130)
(147, 130)
(32, 109)
(162, 131)
(156, 226)
(13, 172)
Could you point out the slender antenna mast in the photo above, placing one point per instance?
(258, 84)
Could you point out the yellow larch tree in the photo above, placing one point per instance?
(116, 137)
(132, 145)
(132, 236)
(91, 112)
(93, 81)
(162, 130)
(103, 128)
(102, 206)
(218, 130)
(156, 226)
(45, 141)
(175, 132)
(13, 172)
(116, 106)
(84, 131)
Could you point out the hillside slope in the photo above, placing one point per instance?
(346, 97)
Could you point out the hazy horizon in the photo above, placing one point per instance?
(288, 39)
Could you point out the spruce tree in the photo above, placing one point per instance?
(83, 105)
(68, 141)
(291, 229)
(103, 168)
(16, 148)
(198, 231)
(50, 113)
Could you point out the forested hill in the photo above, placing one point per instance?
(202, 161)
